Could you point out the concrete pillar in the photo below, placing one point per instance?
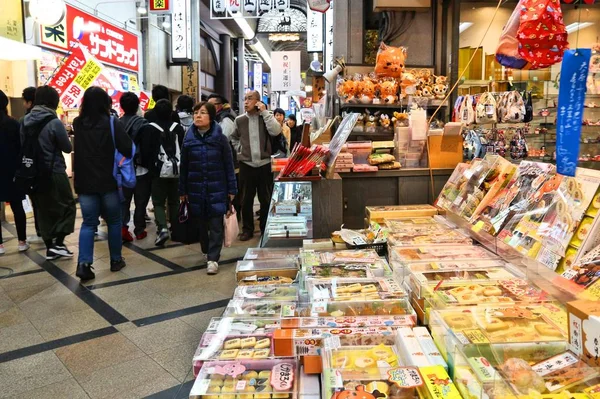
(224, 81)
(240, 66)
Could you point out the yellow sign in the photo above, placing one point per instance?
(88, 74)
(11, 20)
(476, 336)
(133, 83)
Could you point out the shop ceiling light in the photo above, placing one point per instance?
(166, 22)
(258, 46)
(574, 27)
(284, 37)
(142, 8)
(463, 26)
(244, 26)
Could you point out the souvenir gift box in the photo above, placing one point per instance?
(516, 330)
(445, 237)
(418, 280)
(399, 229)
(270, 292)
(270, 253)
(247, 379)
(451, 266)
(259, 308)
(352, 270)
(406, 320)
(249, 270)
(440, 254)
(242, 325)
(424, 222)
(399, 211)
(368, 257)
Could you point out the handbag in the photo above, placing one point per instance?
(123, 167)
(232, 228)
(467, 111)
(528, 107)
(184, 230)
(485, 111)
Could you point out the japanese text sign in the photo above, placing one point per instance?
(181, 31)
(108, 43)
(189, 80)
(11, 23)
(571, 95)
(328, 59)
(160, 6)
(226, 9)
(258, 78)
(285, 74)
(314, 28)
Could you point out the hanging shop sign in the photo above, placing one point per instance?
(571, 96)
(160, 6)
(314, 36)
(77, 73)
(181, 31)
(288, 20)
(47, 12)
(228, 9)
(106, 42)
(11, 22)
(319, 5)
(258, 78)
(285, 73)
(189, 80)
(328, 59)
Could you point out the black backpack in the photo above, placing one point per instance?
(278, 143)
(33, 175)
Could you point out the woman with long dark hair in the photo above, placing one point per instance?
(10, 147)
(207, 180)
(94, 181)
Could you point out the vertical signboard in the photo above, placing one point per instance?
(328, 59)
(189, 80)
(285, 73)
(258, 77)
(181, 31)
(11, 23)
(314, 31)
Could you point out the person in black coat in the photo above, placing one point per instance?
(94, 181)
(295, 131)
(207, 180)
(10, 147)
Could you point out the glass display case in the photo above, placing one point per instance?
(290, 217)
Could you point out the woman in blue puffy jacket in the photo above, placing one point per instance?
(207, 180)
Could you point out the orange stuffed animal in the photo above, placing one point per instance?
(366, 90)
(347, 90)
(390, 61)
(388, 90)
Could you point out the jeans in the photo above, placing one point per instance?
(92, 206)
(212, 233)
(20, 221)
(253, 181)
(165, 191)
(141, 195)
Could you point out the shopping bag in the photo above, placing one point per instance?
(184, 230)
(232, 229)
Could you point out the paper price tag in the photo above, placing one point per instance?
(405, 377)
(240, 385)
(331, 343)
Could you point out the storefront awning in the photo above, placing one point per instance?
(16, 51)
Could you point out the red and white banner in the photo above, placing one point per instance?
(108, 43)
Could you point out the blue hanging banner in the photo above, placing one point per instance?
(571, 96)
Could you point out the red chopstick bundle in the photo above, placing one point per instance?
(303, 159)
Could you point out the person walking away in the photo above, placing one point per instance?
(252, 141)
(134, 126)
(184, 108)
(166, 169)
(207, 180)
(94, 181)
(56, 217)
(226, 120)
(160, 92)
(295, 131)
(28, 97)
(10, 148)
(279, 115)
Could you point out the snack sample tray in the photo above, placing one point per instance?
(347, 270)
(247, 379)
(271, 292)
(346, 289)
(260, 308)
(313, 258)
(441, 254)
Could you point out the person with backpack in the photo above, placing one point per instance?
(10, 147)
(254, 136)
(42, 172)
(134, 126)
(167, 157)
(97, 134)
(160, 92)
(207, 181)
(184, 108)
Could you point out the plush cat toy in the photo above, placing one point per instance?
(390, 61)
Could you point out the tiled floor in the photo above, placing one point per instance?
(130, 334)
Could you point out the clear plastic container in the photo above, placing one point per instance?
(269, 292)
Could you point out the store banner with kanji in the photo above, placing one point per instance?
(160, 6)
(285, 73)
(76, 74)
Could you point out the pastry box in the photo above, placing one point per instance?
(242, 325)
(247, 379)
(344, 270)
(250, 269)
(271, 253)
(406, 320)
(450, 266)
(402, 223)
(400, 211)
(348, 289)
(584, 330)
(269, 292)
(260, 308)
(434, 253)
(313, 258)
(446, 237)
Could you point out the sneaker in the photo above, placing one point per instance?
(84, 272)
(162, 237)
(2, 250)
(141, 236)
(34, 239)
(61, 250)
(51, 255)
(127, 237)
(213, 267)
(23, 246)
(116, 265)
(245, 237)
